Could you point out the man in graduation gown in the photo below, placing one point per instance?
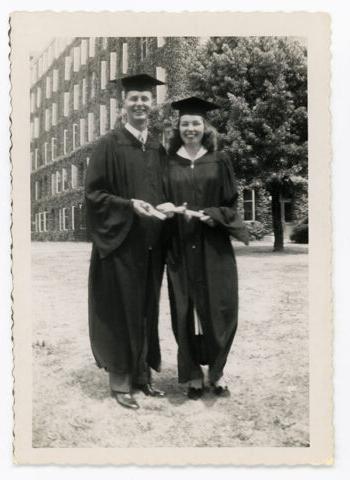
(123, 183)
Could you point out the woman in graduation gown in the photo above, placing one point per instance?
(201, 266)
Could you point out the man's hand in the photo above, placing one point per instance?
(142, 208)
(145, 209)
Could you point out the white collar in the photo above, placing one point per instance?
(137, 133)
(182, 152)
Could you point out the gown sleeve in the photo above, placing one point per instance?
(226, 215)
(109, 216)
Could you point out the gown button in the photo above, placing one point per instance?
(193, 246)
(149, 248)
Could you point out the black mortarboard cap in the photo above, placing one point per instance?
(138, 82)
(193, 106)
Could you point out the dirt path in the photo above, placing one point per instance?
(267, 367)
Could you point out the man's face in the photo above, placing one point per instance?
(138, 105)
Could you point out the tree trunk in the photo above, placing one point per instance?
(277, 222)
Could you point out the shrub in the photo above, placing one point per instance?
(300, 233)
(256, 230)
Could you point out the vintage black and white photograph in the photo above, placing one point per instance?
(169, 241)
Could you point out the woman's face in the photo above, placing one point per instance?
(191, 128)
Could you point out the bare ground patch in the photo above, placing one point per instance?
(267, 367)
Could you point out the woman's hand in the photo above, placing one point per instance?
(169, 209)
(207, 220)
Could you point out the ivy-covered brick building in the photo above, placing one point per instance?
(73, 104)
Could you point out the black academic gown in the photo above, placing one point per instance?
(201, 266)
(127, 258)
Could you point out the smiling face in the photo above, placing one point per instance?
(191, 128)
(138, 105)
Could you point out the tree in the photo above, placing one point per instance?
(260, 83)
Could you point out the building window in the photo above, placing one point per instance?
(103, 74)
(64, 219)
(87, 161)
(84, 92)
(33, 74)
(58, 182)
(160, 42)
(45, 61)
(104, 42)
(75, 135)
(48, 87)
(67, 67)
(45, 186)
(76, 59)
(76, 97)
(249, 204)
(32, 164)
(45, 154)
(92, 46)
(36, 190)
(53, 148)
(31, 130)
(93, 85)
(144, 47)
(38, 97)
(161, 89)
(113, 112)
(53, 183)
(74, 176)
(103, 119)
(83, 52)
(36, 127)
(125, 60)
(60, 219)
(66, 104)
(91, 127)
(55, 80)
(42, 222)
(65, 141)
(36, 158)
(113, 65)
(50, 54)
(82, 131)
(54, 114)
(64, 179)
(73, 216)
(82, 217)
(32, 102)
(81, 174)
(47, 119)
(36, 228)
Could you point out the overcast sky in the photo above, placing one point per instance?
(39, 43)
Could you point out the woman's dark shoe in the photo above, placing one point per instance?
(220, 391)
(194, 393)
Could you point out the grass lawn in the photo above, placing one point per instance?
(267, 367)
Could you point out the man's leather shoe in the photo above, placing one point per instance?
(126, 400)
(148, 390)
(194, 393)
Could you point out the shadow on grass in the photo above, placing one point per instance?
(93, 383)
